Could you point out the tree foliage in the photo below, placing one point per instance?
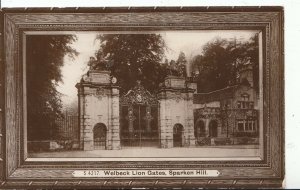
(44, 58)
(220, 61)
(131, 57)
(178, 67)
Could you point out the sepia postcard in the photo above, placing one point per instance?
(186, 97)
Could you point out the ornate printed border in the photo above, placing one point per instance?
(16, 172)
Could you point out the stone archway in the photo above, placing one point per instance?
(213, 128)
(178, 135)
(99, 136)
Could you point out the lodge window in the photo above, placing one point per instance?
(245, 97)
(246, 126)
(240, 126)
(251, 105)
(245, 103)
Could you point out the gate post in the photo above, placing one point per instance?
(165, 128)
(176, 106)
(115, 119)
(189, 132)
(99, 100)
(87, 134)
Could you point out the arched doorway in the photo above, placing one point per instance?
(177, 135)
(213, 128)
(199, 129)
(99, 132)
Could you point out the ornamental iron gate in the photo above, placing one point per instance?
(99, 136)
(139, 118)
(177, 135)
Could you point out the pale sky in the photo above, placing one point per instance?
(189, 42)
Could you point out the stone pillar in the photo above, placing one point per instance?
(80, 117)
(176, 106)
(190, 135)
(161, 121)
(98, 96)
(206, 127)
(115, 119)
(166, 138)
(88, 143)
(86, 133)
(109, 124)
(169, 132)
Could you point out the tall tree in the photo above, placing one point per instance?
(220, 61)
(132, 57)
(252, 53)
(215, 66)
(45, 57)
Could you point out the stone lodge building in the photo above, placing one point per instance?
(177, 116)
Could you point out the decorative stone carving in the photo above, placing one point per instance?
(100, 91)
(102, 77)
(207, 112)
(175, 82)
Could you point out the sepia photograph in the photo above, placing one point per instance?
(144, 97)
(144, 94)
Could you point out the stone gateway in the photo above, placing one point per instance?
(176, 116)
